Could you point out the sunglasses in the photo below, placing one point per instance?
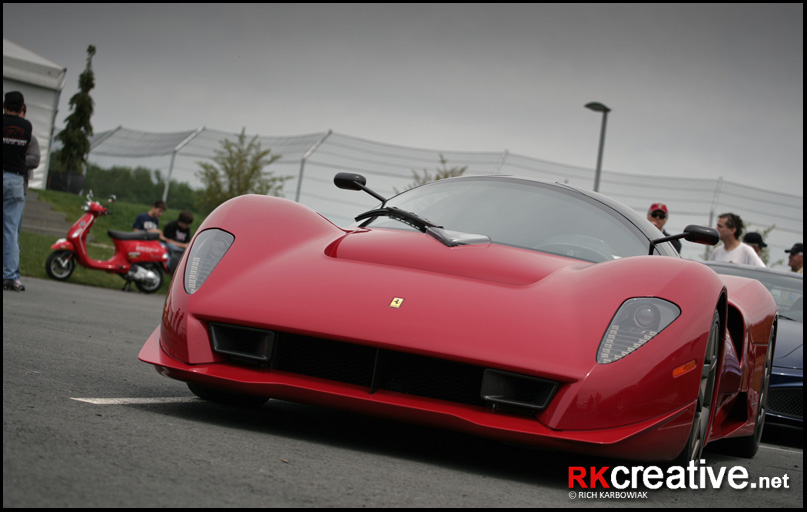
(658, 215)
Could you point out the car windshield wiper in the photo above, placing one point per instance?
(404, 216)
(447, 238)
(350, 181)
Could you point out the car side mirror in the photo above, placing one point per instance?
(701, 235)
(353, 181)
(350, 181)
(692, 233)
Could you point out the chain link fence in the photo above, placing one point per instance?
(312, 160)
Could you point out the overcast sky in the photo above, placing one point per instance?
(695, 90)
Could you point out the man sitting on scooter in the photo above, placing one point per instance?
(150, 220)
(177, 236)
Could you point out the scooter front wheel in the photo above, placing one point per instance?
(60, 265)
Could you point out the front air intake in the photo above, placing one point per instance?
(242, 342)
(512, 389)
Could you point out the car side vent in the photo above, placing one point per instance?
(242, 342)
(511, 389)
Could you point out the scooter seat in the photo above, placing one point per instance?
(133, 235)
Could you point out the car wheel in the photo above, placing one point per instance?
(60, 265)
(748, 446)
(226, 397)
(706, 394)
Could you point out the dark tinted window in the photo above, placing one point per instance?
(787, 291)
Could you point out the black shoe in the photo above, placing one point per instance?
(16, 286)
(7, 284)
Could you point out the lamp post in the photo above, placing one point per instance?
(599, 107)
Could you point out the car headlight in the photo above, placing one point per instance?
(206, 252)
(636, 322)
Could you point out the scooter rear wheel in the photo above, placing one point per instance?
(60, 265)
(151, 287)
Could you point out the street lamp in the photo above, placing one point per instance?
(599, 107)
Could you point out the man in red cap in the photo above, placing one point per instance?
(657, 214)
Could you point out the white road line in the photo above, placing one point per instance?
(137, 401)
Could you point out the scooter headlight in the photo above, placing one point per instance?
(207, 251)
(636, 322)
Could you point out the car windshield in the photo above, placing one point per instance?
(787, 291)
(531, 215)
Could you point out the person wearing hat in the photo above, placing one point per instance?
(754, 239)
(796, 259)
(730, 226)
(657, 215)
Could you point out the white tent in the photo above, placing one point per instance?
(41, 82)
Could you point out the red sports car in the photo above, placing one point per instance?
(521, 310)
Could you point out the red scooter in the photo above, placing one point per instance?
(139, 256)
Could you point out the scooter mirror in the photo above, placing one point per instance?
(112, 198)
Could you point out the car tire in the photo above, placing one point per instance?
(706, 395)
(226, 397)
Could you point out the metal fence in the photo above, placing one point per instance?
(312, 160)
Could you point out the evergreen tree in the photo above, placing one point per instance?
(75, 138)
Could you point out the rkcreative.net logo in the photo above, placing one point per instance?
(631, 482)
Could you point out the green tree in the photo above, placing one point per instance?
(440, 173)
(75, 138)
(182, 196)
(138, 185)
(238, 169)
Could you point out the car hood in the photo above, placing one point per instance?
(789, 345)
(484, 261)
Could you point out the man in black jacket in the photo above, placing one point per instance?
(17, 133)
(177, 236)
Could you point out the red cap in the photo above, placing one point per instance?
(658, 206)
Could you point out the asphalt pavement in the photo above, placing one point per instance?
(86, 424)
